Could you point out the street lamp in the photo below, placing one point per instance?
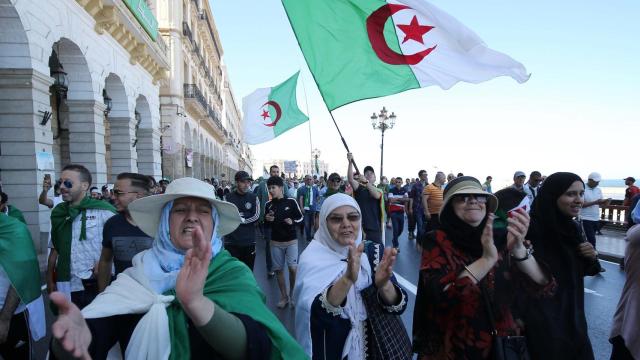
(59, 87)
(383, 122)
(107, 101)
(316, 154)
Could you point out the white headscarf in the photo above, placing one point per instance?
(320, 265)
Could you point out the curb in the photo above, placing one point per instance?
(618, 259)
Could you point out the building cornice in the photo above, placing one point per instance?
(114, 18)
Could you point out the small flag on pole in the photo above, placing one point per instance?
(269, 112)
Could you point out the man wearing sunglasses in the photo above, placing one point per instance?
(121, 237)
(76, 235)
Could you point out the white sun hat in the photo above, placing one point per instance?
(146, 211)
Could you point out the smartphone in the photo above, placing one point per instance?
(47, 177)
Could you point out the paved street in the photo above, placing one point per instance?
(601, 294)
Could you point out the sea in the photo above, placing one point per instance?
(613, 188)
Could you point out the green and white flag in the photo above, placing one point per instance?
(269, 112)
(361, 49)
(19, 261)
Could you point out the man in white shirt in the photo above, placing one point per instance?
(590, 213)
(76, 228)
(532, 186)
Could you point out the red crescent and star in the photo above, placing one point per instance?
(265, 113)
(412, 31)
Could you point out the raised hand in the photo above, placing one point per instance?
(517, 227)
(489, 250)
(353, 263)
(587, 250)
(191, 278)
(70, 329)
(385, 268)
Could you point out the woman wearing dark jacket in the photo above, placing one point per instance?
(556, 327)
(450, 320)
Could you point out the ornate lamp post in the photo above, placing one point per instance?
(59, 87)
(316, 154)
(383, 122)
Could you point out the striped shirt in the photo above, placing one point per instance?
(436, 196)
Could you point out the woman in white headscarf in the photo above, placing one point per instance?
(331, 318)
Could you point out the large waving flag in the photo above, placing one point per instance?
(269, 112)
(360, 49)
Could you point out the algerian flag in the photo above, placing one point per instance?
(269, 112)
(19, 262)
(360, 49)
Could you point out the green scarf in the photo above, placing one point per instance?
(18, 258)
(232, 286)
(14, 212)
(62, 218)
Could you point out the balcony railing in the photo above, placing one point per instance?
(186, 31)
(191, 91)
(614, 214)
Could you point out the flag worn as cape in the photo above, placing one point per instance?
(19, 260)
(62, 218)
(269, 112)
(232, 286)
(14, 212)
(361, 49)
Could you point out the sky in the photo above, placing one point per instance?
(579, 111)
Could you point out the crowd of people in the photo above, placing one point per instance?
(165, 269)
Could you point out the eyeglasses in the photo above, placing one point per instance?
(335, 180)
(68, 184)
(337, 220)
(120, 193)
(481, 199)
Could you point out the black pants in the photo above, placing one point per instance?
(373, 235)
(412, 222)
(590, 228)
(85, 297)
(18, 344)
(432, 224)
(619, 350)
(397, 220)
(266, 236)
(244, 253)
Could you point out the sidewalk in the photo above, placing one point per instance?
(611, 245)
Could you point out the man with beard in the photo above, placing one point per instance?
(121, 237)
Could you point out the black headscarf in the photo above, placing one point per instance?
(548, 223)
(463, 236)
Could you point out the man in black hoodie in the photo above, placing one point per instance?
(241, 243)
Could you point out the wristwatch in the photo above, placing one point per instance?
(529, 252)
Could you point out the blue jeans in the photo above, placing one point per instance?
(309, 218)
(397, 220)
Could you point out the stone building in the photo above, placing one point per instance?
(200, 117)
(79, 83)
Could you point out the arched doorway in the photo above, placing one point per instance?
(145, 140)
(119, 125)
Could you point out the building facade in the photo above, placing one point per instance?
(200, 118)
(79, 83)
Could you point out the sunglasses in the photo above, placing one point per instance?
(120, 192)
(481, 199)
(337, 219)
(68, 184)
(335, 180)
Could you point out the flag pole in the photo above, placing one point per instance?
(306, 103)
(344, 142)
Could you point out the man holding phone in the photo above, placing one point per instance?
(590, 212)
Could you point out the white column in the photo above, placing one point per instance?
(86, 135)
(23, 94)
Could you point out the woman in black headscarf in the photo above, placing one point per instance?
(465, 254)
(556, 327)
